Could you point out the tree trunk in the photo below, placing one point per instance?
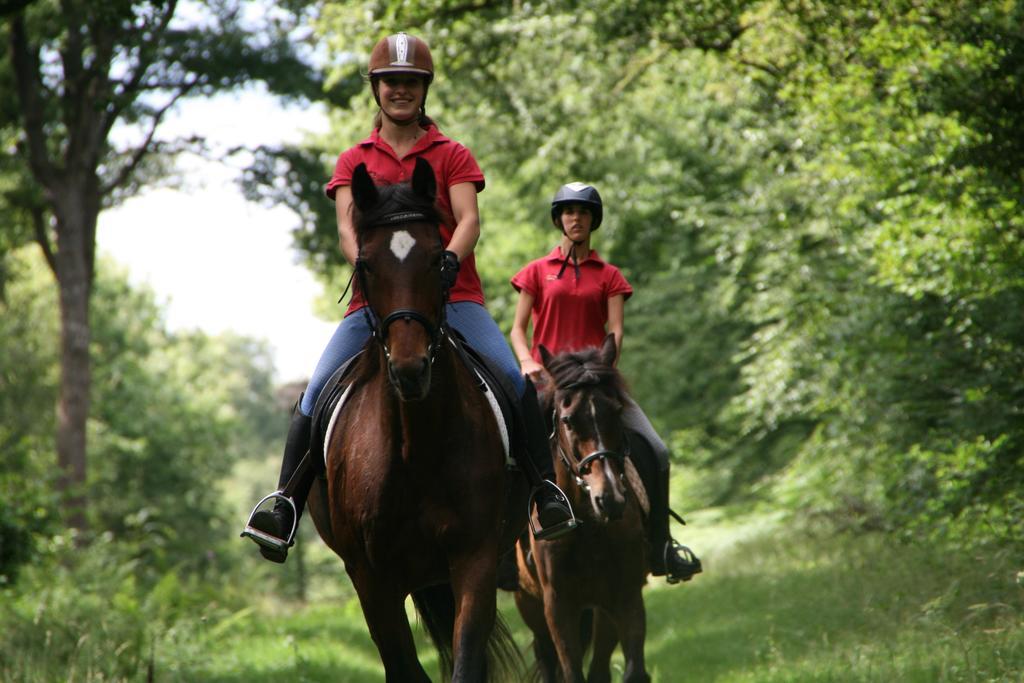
(75, 226)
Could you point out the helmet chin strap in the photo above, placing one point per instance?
(570, 255)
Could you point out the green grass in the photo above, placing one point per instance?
(773, 604)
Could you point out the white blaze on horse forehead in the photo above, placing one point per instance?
(593, 416)
(401, 244)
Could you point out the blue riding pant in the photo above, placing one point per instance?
(470, 319)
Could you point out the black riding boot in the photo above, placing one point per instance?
(554, 514)
(668, 558)
(274, 530)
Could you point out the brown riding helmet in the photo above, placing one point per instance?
(402, 53)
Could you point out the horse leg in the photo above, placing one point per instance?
(632, 620)
(564, 626)
(474, 584)
(386, 619)
(606, 637)
(532, 611)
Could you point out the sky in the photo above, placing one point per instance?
(215, 261)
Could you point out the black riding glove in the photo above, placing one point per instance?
(449, 268)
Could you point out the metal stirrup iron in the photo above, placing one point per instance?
(266, 539)
(558, 529)
(284, 494)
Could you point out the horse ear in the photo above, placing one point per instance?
(364, 192)
(545, 355)
(609, 350)
(423, 181)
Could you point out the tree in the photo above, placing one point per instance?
(818, 201)
(79, 68)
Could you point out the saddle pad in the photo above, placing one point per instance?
(332, 399)
(328, 407)
(492, 401)
(334, 418)
(499, 393)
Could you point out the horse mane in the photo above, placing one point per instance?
(393, 198)
(572, 369)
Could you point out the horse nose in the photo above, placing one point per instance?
(411, 378)
(610, 504)
(614, 504)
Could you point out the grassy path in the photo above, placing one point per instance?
(771, 606)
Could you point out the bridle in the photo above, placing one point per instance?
(379, 326)
(581, 469)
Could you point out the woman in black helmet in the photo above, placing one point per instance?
(575, 299)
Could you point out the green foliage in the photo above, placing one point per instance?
(835, 607)
(817, 202)
(295, 177)
(775, 603)
(91, 616)
(135, 61)
(173, 413)
(27, 394)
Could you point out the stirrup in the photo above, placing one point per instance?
(557, 530)
(273, 543)
(690, 560)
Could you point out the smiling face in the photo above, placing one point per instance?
(401, 95)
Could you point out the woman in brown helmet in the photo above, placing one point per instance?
(400, 72)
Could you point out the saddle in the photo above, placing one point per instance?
(328, 406)
(490, 380)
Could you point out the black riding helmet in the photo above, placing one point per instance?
(577, 193)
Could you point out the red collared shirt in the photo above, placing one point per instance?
(452, 162)
(569, 313)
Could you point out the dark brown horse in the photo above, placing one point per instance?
(600, 568)
(416, 486)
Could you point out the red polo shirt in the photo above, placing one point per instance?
(569, 313)
(452, 162)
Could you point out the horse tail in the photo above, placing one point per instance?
(504, 660)
(436, 607)
(586, 628)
